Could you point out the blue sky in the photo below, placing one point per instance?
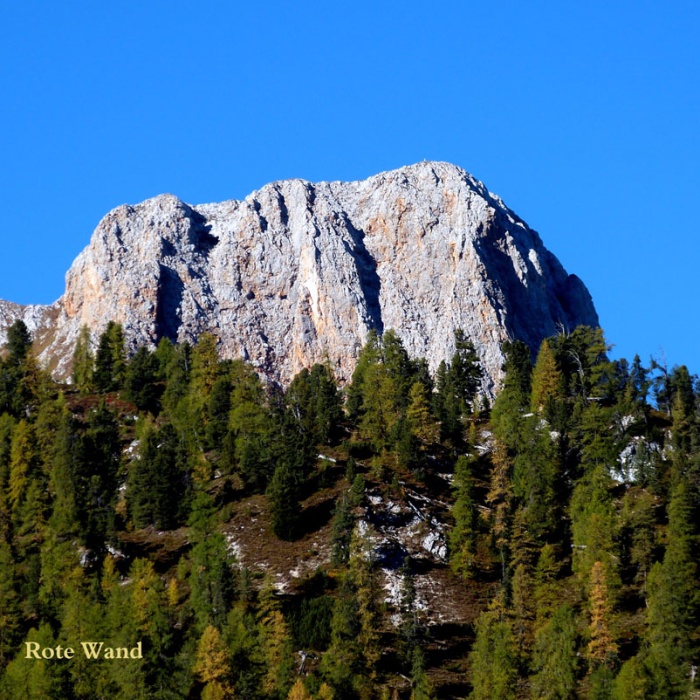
(583, 117)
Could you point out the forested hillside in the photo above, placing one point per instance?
(237, 532)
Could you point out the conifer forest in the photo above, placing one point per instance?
(215, 536)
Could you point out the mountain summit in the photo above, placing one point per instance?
(298, 273)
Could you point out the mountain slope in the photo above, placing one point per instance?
(299, 272)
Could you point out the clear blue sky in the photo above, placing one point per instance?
(583, 117)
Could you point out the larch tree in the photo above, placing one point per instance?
(212, 666)
(602, 647)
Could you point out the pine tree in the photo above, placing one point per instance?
(364, 576)
(285, 506)
(381, 407)
(242, 638)
(493, 659)
(343, 523)
(33, 679)
(140, 380)
(554, 660)
(212, 583)
(673, 602)
(22, 460)
(514, 397)
(325, 692)
(522, 608)
(314, 401)
(110, 360)
(420, 685)
(593, 525)
(465, 372)
(218, 410)
(632, 682)
(205, 365)
(546, 593)
(83, 362)
(19, 373)
(19, 342)
(176, 371)
(157, 484)
(368, 357)
(547, 380)
(398, 366)
(10, 609)
(462, 537)
(342, 660)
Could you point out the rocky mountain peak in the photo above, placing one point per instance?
(299, 272)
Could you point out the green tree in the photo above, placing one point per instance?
(84, 362)
(19, 341)
(493, 663)
(343, 523)
(157, 484)
(314, 400)
(110, 360)
(22, 462)
(140, 380)
(554, 659)
(462, 537)
(465, 371)
(547, 380)
(285, 505)
(419, 416)
(343, 660)
(673, 602)
(632, 682)
(514, 396)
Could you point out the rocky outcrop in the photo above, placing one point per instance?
(300, 272)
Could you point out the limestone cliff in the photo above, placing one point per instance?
(298, 272)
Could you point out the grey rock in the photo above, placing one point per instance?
(299, 273)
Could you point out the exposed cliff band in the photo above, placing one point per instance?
(299, 272)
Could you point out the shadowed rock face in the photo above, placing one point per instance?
(299, 272)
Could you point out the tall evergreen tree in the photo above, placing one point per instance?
(673, 602)
(140, 380)
(110, 360)
(554, 660)
(462, 537)
(493, 663)
(157, 485)
(83, 362)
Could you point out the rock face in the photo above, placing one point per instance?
(299, 272)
